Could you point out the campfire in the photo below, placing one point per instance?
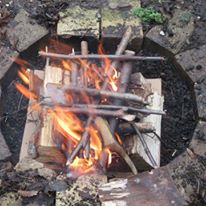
(79, 104)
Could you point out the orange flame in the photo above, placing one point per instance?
(118, 138)
(82, 165)
(66, 65)
(109, 155)
(23, 74)
(28, 94)
(107, 64)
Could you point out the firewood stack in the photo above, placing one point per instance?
(80, 112)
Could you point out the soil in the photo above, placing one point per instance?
(179, 122)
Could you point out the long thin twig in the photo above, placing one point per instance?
(106, 107)
(95, 92)
(145, 146)
(118, 113)
(97, 56)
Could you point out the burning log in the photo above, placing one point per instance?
(84, 51)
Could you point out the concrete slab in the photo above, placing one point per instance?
(24, 31)
(77, 21)
(7, 56)
(198, 143)
(193, 63)
(180, 28)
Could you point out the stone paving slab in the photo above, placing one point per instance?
(198, 143)
(179, 29)
(24, 31)
(7, 56)
(194, 64)
(115, 18)
(187, 171)
(77, 21)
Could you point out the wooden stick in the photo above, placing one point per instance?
(124, 108)
(106, 107)
(118, 113)
(125, 128)
(84, 51)
(123, 84)
(144, 144)
(95, 92)
(97, 56)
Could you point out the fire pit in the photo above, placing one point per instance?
(92, 113)
(72, 89)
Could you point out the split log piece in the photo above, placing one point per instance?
(32, 126)
(111, 143)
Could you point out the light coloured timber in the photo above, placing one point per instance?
(52, 75)
(32, 122)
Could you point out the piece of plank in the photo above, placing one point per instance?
(32, 124)
(145, 87)
(52, 75)
(157, 104)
